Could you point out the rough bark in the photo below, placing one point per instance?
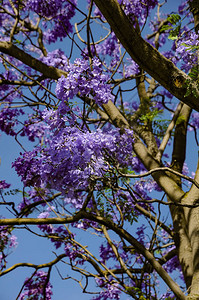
(186, 220)
(194, 7)
(118, 230)
(192, 221)
(27, 59)
(179, 223)
(146, 56)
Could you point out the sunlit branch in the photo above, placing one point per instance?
(26, 75)
(41, 266)
(47, 71)
(168, 132)
(121, 232)
(165, 169)
(29, 207)
(148, 214)
(160, 68)
(119, 258)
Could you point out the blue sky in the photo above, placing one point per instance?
(35, 249)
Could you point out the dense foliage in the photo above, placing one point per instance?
(101, 96)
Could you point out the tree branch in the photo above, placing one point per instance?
(146, 56)
(120, 231)
(49, 264)
(47, 71)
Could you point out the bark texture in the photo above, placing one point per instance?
(146, 56)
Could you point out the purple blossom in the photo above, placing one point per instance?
(36, 287)
(110, 291)
(27, 167)
(168, 295)
(185, 50)
(60, 14)
(96, 12)
(106, 253)
(56, 59)
(32, 196)
(13, 241)
(71, 157)
(61, 233)
(4, 185)
(138, 9)
(43, 7)
(83, 80)
(172, 265)
(8, 119)
(48, 228)
(74, 253)
(33, 130)
(141, 236)
(131, 68)
(167, 94)
(194, 121)
(7, 241)
(182, 8)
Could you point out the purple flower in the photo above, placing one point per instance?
(9, 119)
(7, 241)
(56, 59)
(43, 7)
(141, 234)
(4, 185)
(36, 286)
(194, 121)
(83, 80)
(33, 130)
(59, 12)
(138, 9)
(110, 291)
(185, 50)
(71, 157)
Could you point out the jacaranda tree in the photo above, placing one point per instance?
(106, 92)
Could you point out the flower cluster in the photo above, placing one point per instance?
(110, 48)
(32, 195)
(56, 18)
(71, 157)
(138, 9)
(141, 234)
(84, 80)
(7, 241)
(58, 12)
(56, 59)
(34, 128)
(6, 21)
(110, 290)
(194, 121)
(186, 51)
(9, 120)
(37, 287)
(4, 185)
(43, 8)
(133, 8)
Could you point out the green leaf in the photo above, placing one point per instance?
(194, 73)
(173, 35)
(18, 42)
(173, 19)
(165, 28)
(173, 29)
